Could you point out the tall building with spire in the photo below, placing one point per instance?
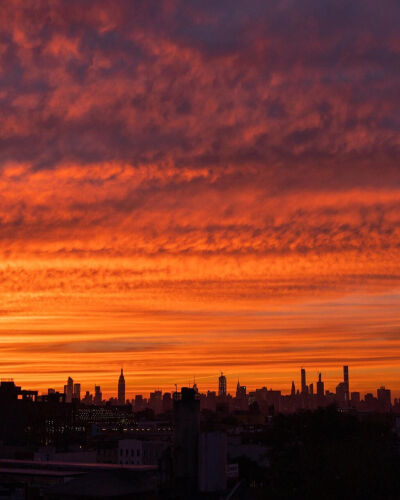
(121, 388)
(240, 391)
(320, 387)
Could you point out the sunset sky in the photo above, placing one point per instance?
(189, 187)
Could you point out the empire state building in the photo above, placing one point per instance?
(121, 388)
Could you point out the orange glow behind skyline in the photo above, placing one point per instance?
(192, 188)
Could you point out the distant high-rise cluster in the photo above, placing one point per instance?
(309, 396)
(72, 392)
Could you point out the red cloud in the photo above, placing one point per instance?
(199, 160)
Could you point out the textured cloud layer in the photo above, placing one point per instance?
(192, 186)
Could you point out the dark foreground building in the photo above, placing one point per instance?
(257, 445)
(33, 480)
(186, 442)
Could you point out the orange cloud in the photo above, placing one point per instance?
(186, 188)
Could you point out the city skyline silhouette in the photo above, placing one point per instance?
(305, 384)
(199, 249)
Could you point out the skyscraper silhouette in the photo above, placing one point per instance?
(98, 395)
(320, 387)
(240, 391)
(222, 385)
(77, 392)
(346, 383)
(384, 398)
(121, 388)
(304, 388)
(69, 390)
